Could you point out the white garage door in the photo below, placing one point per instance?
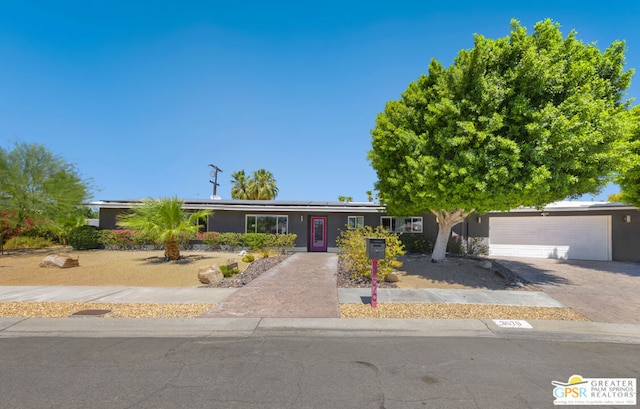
(564, 237)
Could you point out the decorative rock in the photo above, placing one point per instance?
(210, 274)
(242, 253)
(487, 264)
(391, 278)
(60, 261)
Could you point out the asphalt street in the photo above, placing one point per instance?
(299, 371)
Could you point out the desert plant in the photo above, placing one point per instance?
(249, 258)
(228, 271)
(352, 244)
(163, 220)
(84, 237)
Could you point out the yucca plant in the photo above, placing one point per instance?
(162, 220)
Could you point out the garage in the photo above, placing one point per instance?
(562, 237)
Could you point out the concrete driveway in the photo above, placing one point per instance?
(603, 291)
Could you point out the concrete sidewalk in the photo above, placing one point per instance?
(143, 295)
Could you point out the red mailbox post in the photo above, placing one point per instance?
(376, 249)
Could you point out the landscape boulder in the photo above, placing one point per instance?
(391, 278)
(210, 274)
(486, 264)
(60, 261)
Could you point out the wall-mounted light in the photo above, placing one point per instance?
(627, 218)
(479, 219)
(301, 218)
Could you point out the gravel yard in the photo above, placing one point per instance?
(66, 309)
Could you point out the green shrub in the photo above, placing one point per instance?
(230, 239)
(21, 242)
(461, 246)
(211, 238)
(255, 241)
(84, 237)
(122, 239)
(416, 243)
(353, 254)
(228, 272)
(249, 258)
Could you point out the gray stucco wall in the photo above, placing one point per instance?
(108, 218)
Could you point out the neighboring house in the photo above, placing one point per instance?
(566, 230)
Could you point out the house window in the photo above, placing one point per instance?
(259, 223)
(355, 222)
(402, 224)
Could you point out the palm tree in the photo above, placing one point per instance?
(240, 189)
(263, 185)
(163, 220)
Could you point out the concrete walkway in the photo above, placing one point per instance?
(444, 296)
(302, 286)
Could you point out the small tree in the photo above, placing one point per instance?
(35, 184)
(524, 120)
(352, 245)
(163, 220)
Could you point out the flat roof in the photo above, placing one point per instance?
(256, 205)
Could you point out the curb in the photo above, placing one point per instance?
(91, 327)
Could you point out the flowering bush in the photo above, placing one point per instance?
(353, 252)
(211, 238)
(121, 239)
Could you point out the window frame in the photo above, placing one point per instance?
(356, 225)
(415, 221)
(278, 218)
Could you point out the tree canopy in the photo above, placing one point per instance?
(629, 178)
(37, 185)
(523, 120)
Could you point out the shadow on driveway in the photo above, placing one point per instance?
(603, 291)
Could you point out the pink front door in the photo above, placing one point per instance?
(318, 234)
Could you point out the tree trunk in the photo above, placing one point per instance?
(446, 220)
(172, 249)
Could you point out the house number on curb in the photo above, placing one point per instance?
(513, 324)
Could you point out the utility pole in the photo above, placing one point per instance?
(214, 173)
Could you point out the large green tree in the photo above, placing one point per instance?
(37, 185)
(523, 120)
(629, 178)
(163, 220)
(262, 186)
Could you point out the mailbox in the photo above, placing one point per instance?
(376, 248)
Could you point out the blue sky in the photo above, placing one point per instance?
(142, 95)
